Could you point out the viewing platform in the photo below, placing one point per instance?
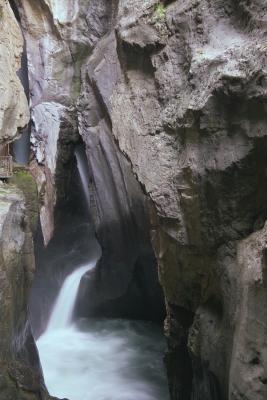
(6, 167)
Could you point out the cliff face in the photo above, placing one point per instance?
(174, 93)
(14, 111)
(20, 370)
(184, 86)
(20, 376)
(67, 112)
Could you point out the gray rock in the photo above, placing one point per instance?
(20, 375)
(193, 126)
(14, 112)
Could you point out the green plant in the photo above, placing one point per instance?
(160, 12)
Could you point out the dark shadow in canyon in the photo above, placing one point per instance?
(137, 293)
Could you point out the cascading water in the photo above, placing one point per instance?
(21, 147)
(100, 359)
(83, 171)
(63, 309)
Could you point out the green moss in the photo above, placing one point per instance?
(25, 182)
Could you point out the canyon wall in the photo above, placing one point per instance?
(14, 112)
(184, 86)
(20, 371)
(169, 101)
(68, 113)
(189, 111)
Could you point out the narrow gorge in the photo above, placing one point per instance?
(133, 199)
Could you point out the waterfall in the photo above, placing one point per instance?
(62, 313)
(21, 147)
(100, 359)
(83, 171)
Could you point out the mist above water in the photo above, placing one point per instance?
(100, 359)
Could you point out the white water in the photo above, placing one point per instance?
(64, 306)
(83, 172)
(100, 359)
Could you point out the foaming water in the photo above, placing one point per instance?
(63, 309)
(101, 359)
(106, 360)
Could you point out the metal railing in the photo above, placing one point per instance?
(6, 166)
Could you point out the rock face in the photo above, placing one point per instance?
(20, 372)
(184, 88)
(14, 111)
(67, 112)
(174, 93)
(121, 219)
(189, 110)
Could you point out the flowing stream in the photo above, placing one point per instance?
(100, 359)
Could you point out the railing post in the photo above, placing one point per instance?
(6, 167)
